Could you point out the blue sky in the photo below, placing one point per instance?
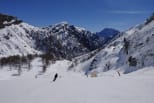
(93, 15)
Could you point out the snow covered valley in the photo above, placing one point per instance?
(63, 63)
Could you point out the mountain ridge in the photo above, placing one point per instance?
(62, 39)
(127, 52)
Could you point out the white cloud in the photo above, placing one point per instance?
(128, 12)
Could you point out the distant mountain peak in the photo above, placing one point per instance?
(63, 23)
(108, 33)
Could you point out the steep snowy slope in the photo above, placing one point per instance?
(17, 40)
(130, 51)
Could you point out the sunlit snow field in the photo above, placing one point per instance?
(74, 87)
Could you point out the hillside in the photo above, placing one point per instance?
(129, 51)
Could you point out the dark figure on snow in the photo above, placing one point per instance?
(55, 77)
(126, 45)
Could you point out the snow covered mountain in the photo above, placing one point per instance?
(128, 52)
(73, 40)
(17, 39)
(108, 33)
(25, 79)
(61, 40)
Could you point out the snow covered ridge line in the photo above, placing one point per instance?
(62, 40)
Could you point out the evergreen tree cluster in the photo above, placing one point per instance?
(16, 61)
(6, 18)
(132, 61)
(126, 45)
(19, 63)
(150, 19)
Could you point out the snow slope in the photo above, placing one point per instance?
(114, 56)
(73, 87)
(15, 40)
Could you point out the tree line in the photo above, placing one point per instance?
(19, 63)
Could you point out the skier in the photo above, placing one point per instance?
(55, 77)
